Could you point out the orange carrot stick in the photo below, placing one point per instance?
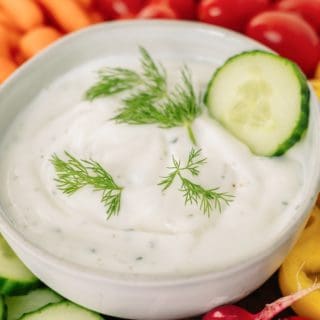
(25, 14)
(6, 21)
(37, 39)
(7, 66)
(14, 38)
(18, 58)
(5, 50)
(68, 14)
(12, 35)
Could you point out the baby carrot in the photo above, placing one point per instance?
(37, 39)
(18, 58)
(12, 35)
(7, 66)
(5, 20)
(25, 14)
(14, 38)
(5, 50)
(68, 14)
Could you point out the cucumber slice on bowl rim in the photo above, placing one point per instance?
(15, 278)
(262, 99)
(62, 310)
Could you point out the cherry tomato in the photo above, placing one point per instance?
(289, 35)
(114, 9)
(233, 14)
(308, 9)
(249, 8)
(183, 9)
(219, 12)
(157, 10)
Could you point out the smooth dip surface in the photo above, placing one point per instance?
(154, 233)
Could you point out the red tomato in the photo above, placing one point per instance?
(219, 12)
(114, 9)
(249, 8)
(186, 9)
(308, 9)
(157, 11)
(289, 35)
(233, 14)
(183, 9)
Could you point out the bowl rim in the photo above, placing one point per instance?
(78, 270)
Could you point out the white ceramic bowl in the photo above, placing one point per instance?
(145, 298)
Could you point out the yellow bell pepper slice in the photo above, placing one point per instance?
(317, 72)
(301, 269)
(316, 86)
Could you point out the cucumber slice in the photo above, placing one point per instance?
(34, 300)
(62, 310)
(262, 99)
(3, 309)
(15, 278)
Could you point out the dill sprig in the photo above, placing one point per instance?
(149, 101)
(115, 80)
(206, 199)
(112, 81)
(74, 174)
(155, 78)
(177, 109)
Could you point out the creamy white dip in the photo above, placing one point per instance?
(155, 233)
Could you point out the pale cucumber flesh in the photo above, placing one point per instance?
(15, 278)
(262, 99)
(34, 300)
(62, 310)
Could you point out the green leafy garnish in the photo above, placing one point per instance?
(115, 80)
(149, 101)
(206, 199)
(112, 81)
(75, 174)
